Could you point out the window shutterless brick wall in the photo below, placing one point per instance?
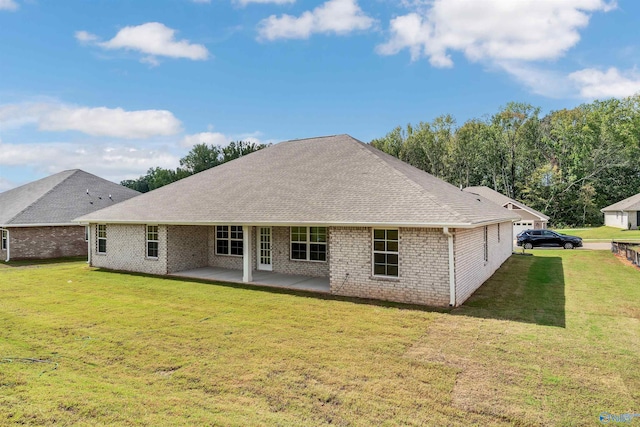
(46, 242)
(423, 266)
(126, 249)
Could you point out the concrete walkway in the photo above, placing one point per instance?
(260, 278)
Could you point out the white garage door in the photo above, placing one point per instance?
(521, 226)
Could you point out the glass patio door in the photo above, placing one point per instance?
(264, 249)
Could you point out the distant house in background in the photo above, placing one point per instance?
(530, 218)
(35, 219)
(624, 214)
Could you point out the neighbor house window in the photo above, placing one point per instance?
(309, 243)
(486, 244)
(385, 253)
(229, 240)
(4, 240)
(102, 238)
(152, 241)
(498, 233)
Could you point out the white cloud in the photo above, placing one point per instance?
(334, 16)
(114, 162)
(523, 30)
(8, 5)
(540, 81)
(85, 37)
(217, 138)
(153, 39)
(210, 138)
(99, 121)
(593, 83)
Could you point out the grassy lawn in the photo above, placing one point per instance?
(551, 339)
(602, 233)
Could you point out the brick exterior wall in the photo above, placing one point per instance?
(226, 261)
(281, 253)
(471, 270)
(45, 242)
(187, 247)
(127, 249)
(423, 270)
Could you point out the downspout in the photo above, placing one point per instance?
(89, 245)
(452, 269)
(8, 246)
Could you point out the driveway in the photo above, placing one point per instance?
(597, 246)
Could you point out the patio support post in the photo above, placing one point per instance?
(247, 274)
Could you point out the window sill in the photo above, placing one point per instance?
(150, 258)
(229, 255)
(307, 260)
(101, 253)
(385, 278)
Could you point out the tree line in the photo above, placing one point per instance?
(201, 157)
(568, 164)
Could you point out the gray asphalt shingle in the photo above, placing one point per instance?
(501, 199)
(326, 180)
(629, 204)
(59, 198)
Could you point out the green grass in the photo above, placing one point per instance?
(602, 233)
(551, 339)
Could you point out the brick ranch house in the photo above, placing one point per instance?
(529, 217)
(36, 218)
(332, 207)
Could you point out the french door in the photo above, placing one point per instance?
(265, 262)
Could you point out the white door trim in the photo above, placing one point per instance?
(268, 251)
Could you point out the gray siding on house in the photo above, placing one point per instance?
(471, 270)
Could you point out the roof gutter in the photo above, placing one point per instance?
(452, 269)
(298, 223)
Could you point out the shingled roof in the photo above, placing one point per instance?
(501, 199)
(629, 204)
(59, 198)
(333, 180)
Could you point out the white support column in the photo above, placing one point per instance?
(247, 264)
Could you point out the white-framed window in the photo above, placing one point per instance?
(86, 233)
(4, 240)
(102, 239)
(385, 252)
(152, 241)
(486, 243)
(229, 240)
(309, 243)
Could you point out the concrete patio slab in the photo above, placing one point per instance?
(260, 278)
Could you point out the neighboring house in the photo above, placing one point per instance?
(333, 207)
(624, 214)
(529, 217)
(36, 218)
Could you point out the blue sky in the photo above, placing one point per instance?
(115, 87)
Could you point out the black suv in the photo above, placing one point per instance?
(532, 238)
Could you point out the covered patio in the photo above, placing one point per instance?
(259, 278)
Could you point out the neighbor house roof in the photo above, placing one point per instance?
(503, 200)
(59, 198)
(629, 204)
(333, 180)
